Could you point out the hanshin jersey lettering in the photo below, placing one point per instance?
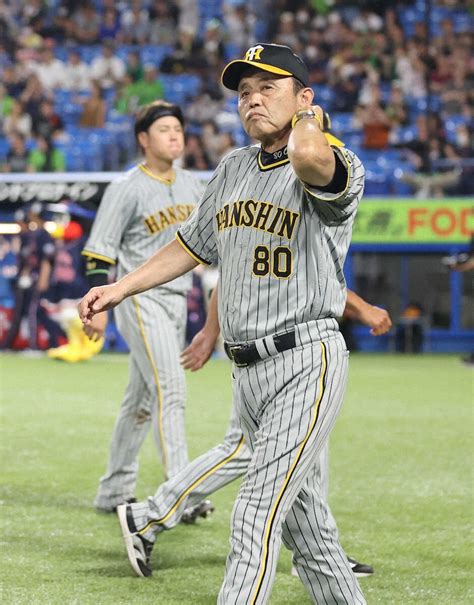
(273, 270)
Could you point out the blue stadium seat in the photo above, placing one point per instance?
(154, 54)
(398, 187)
(376, 183)
(324, 95)
(343, 123)
(180, 88)
(89, 53)
(4, 148)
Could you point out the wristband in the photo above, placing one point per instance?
(305, 114)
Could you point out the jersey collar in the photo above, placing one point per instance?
(268, 161)
(148, 172)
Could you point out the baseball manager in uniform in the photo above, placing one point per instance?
(139, 213)
(277, 217)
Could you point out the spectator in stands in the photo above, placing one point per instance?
(17, 156)
(410, 72)
(134, 94)
(214, 50)
(49, 70)
(441, 77)
(287, 33)
(134, 66)
(76, 73)
(33, 95)
(424, 153)
(240, 25)
(163, 21)
(396, 110)
(47, 122)
(108, 69)
(94, 108)
(6, 103)
(12, 81)
(110, 25)
(195, 157)
(186, 55)
(135, 28)
(203, 108)
(226, 144)
(455, 99)
(85, 23)
(18, 120)
(375, 124)
(45, 157)
(210, 140)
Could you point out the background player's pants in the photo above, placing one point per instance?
(287, 406)
(209, 472)
(153, 326)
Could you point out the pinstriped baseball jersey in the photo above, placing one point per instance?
(281, 244)
(139, 214)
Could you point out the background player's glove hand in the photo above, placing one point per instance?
(377, 319)
(99, 299)
(198, 352)
(96, 329)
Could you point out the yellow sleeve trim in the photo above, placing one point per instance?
(343, 193)
(189, 251)
(106, 259)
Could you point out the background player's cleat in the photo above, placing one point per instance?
(138, 548)
(361, 570)
(204, 509)
(112, 508)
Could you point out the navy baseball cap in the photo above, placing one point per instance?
(274, 58)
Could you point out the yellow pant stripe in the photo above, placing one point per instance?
(289, 474)
(198, 481)
(157, 382)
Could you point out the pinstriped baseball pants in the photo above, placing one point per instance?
(287, 406)
(154, 329)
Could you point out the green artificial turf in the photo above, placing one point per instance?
(401, 485)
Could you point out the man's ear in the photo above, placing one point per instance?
(306, 97)
(143, 139)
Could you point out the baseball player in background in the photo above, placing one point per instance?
(139, 213)
(277, 217)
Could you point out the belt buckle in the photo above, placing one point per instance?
(232, 350)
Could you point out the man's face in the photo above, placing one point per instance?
(164, 139)
(266, 104)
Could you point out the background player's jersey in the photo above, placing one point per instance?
(139, 214)
(281, 245)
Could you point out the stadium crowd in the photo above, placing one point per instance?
(395, 76)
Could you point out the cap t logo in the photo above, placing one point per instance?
(253, 54)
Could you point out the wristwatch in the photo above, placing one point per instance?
(303, 114)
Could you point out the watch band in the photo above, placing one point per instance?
(306, 114)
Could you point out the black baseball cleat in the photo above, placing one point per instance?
(204, 509)
(138, 549)
(361, 570)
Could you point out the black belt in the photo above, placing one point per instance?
(244, 354)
